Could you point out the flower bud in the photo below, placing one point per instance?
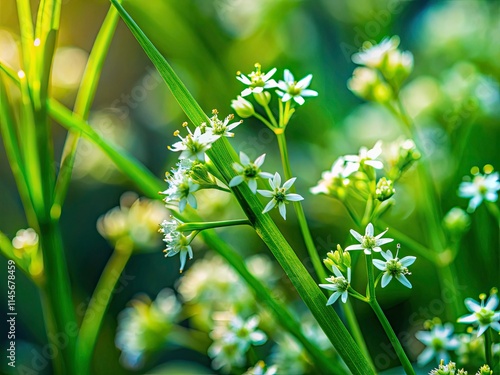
(385, 189)
(456, 222)
(263, 98)
(367, 84)
(397, 66)
(339, 258)
(26, 249)
(243, 107)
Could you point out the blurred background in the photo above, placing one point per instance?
(453, 95)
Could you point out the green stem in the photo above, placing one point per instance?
(189, 338)
(214, 186)
(383, 320)
(185, 227)
(448, 280)
(263, 120)
(488, 349)
(94, 314)
(311, 249)
(301, 217)
(271, 116)
(57, 292)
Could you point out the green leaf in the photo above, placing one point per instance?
(223, 156)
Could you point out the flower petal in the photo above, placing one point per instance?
(354, 247)
(252, 184)
(472, 305)
(333, 298)
(386, 279)
(266, 193)
(369, 230)
(425, 357)
(245, 160)
(282, 209)
(269, 206)
(260, 160)
(408, 261)
(235, 181)
(356, 235)
(403, 280)
(379, 264)
(293, 197)
(287, 185)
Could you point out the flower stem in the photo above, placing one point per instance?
(488, 347)
(264, 121)
(212, 224)
(94, 314)
(383, 320)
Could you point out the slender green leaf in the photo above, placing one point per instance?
(223, 156)
(26, 29)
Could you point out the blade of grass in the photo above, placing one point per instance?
(84, 99)
(26, 30)
(150, 186)
(223, 156)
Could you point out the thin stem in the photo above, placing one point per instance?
(98, 305)
(212, 224)
(214, 186)
(372, 301)
(488, 347)
(190, 338)
(271, 116)
(448, 280)
(304, 228)
(264, 121)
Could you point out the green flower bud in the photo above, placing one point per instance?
(397, 66)
(339, 258)
(263, 98)
(243, 107)
(456, 222)
(405, 154)
(485, 370)
(385, 189)
(26, 249)
(367, 84)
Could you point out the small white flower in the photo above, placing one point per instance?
(438, 341)
(232, 339)
(366, 157)
(249, 171)
(260, 369)
(219, 128)
(279, 195)
(291, 89)
(482, 187)
(373, 56)
(177, 242)
(339, 285)
(257, 81)
(335, 178)
(181, 187)
(394, 267)
(194, 145)
(368, 242)
(483, 314)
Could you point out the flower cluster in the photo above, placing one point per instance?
(143, 327)
(233, 337)
(134, 223)
(177, 242)
(383, 70)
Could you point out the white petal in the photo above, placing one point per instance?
(235, 181)
(282, 209)
(336, 271)
(288, 76)
(482, 329)
(328, 286)
(265, 175)
(472, 318)
(183, 256)
(304, 82)
(246, 92)
(293, 197)
(369, 230)
(492, 302)
(354, 247)
(408, 261)
(245, 160)
(286, 97)
(244, 79)
(260, 160)
(252, 184)
(192, 201)
(269, 206)
(387, 255)
(425, 357)
(375, 164)
(386, 279)
(344, 296)
(299, 99)
(403, 280)
(269, 74)
(333, 298)
(472, 305)
(309, 93)
(287, 185)
(258, 337)
(356, 235)
(379, 264)
(182, 204)
(266, 193)
(276, 180)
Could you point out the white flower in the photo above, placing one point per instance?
(194, 145)
(366, 157)
(25, 239)
(291, 89)
(278, 194)
(482, 187)
(219, 128)
(257, 81)
(368, 242)
(232, 339)
(483, 314)
(394, 267)
(339, 285)
(373, 56)
(177, 242)
(249, 171)
(181, 186)
(334, 179)
(438, 341)
(145, 326)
